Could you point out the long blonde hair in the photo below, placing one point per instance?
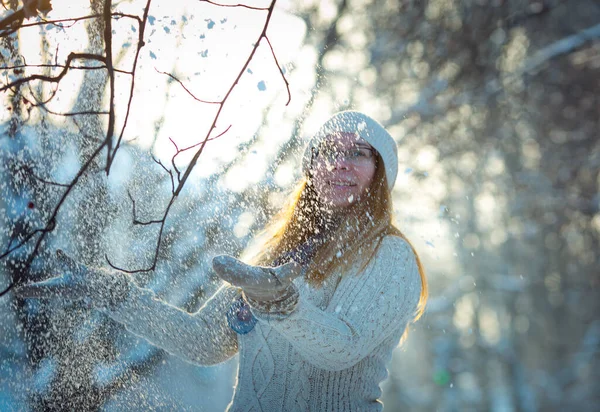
(364, 225)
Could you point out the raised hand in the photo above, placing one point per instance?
(101, 289)
(271, 289)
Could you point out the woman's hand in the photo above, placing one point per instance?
(268, 289)
(100, 289)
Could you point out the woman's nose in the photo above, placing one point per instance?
(340, 163)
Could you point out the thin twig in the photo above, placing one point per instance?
(186, 89)
(234, 5)
(136, 221)
(156, 250)
(39, 102)
(60, 66)
(69, 114)
(141, 29)
(178, 151)
(74, 20)
(208, 140)
(173, 160)
(9, 250)
(287, 85)
(30, 171)
(166, 170)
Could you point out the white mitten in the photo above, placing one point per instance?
(99, 288)
(267, 289)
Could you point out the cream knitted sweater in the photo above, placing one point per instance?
(328, 355)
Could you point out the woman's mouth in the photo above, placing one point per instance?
(341, 184)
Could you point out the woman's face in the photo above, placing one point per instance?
(343, 169)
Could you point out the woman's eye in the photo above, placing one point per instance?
(361, 153)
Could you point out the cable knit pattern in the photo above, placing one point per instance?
(367, 310)
(328, 355)
(263, 366)
(349, 343)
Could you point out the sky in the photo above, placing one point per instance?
(205, 47)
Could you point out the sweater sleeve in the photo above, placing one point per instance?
(380, 301)
(203, 337)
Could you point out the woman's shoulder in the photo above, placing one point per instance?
(396, 244)
(396, 255)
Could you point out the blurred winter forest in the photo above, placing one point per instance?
(151, 135)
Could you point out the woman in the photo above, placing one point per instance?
(334, 287)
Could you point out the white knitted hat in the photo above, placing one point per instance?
(367, 128)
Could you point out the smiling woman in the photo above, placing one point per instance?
(327, 299)
(344, 166)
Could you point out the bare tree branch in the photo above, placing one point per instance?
(182, 180)
(29, 171)
(560, 47)
(287, 85)
(136, 221)
(108, 140)
(55, 79)
(166, 170)
(192, 164)
(12, 23)
(51, 223)
(234, 5)
(140, 44)
(74, 20)
(186, 89)
(111, 81)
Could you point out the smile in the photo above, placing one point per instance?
(346, 184)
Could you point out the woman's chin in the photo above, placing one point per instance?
(338, 201)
